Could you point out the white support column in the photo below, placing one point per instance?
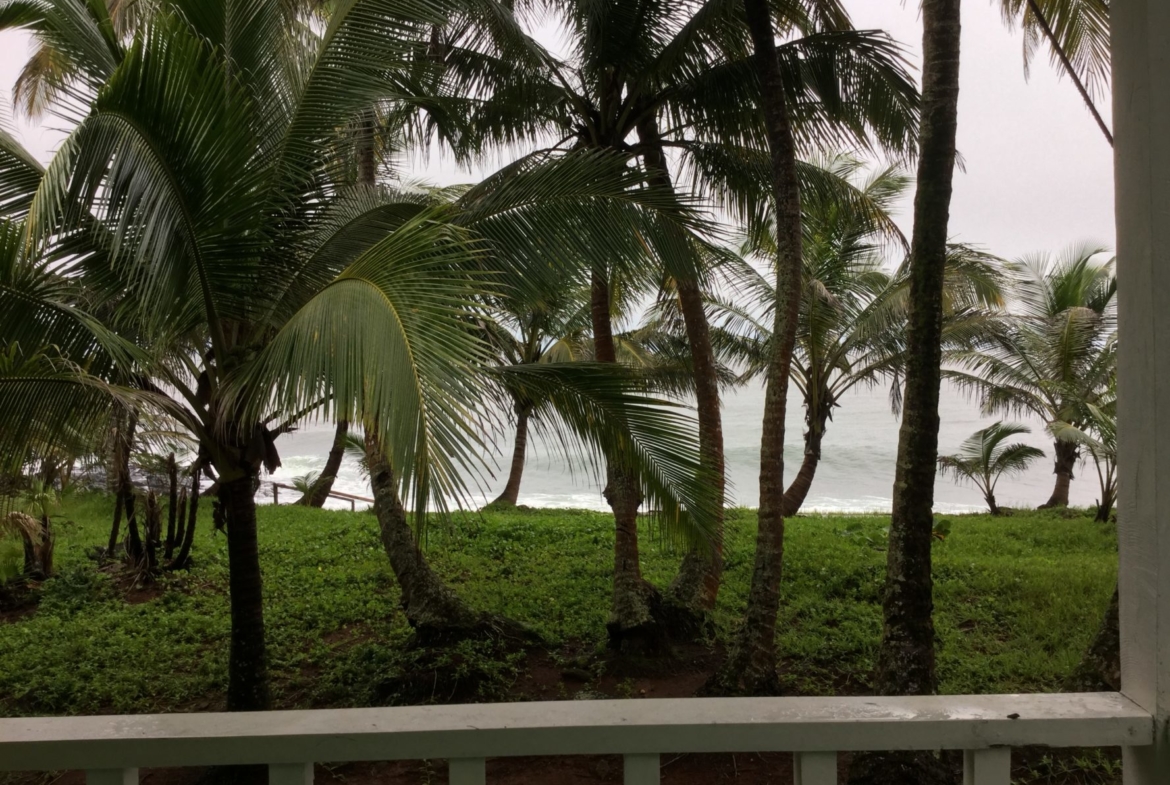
(1141, 112)
(466, 771)
(290, 774)
(987, 767)
(111, 777)
(815, 768)
(642, 770)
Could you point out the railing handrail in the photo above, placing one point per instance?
(628, 727)
(349, 497)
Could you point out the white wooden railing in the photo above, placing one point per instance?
(112, 749)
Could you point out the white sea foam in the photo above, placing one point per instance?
(855, 474)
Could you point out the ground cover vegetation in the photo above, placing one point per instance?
(1018, 599)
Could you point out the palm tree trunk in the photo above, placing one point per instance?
(325, 482)
(247, 663)
(184, 558)
(1066, 460)
(512, 489)
(992, 507)
(798, 490)
(172, 506)
(1108, 499)
(906, 656)
(433, 610)
(696, 587)
(123, 445)
(634, 625)
(134, 551)
(752, 668)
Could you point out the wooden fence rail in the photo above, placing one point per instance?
(349, 497)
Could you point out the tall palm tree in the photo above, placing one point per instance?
(984, 458)
(906, 655)
(202, 176)
(1055, 354)
(653, 79)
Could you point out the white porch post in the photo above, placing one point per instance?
(1141, 107)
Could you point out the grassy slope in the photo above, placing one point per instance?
(1017, 600)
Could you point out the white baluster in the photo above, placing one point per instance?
(466, 771)
(290, 774)
(987, 767)
(815, 768)
(642, 770)
(111, 777)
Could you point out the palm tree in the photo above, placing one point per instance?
(853, 312)
(845, 320)
(1056, 354)
(1077, 35)
(984, 458)
(203, 177)
(650, 79)
(906, 656)
(1097, 433)
(549, 328)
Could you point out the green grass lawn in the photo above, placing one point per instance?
(1017, 599)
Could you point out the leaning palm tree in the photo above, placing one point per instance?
(545, 328)
(984, 459)
(1055, 354)
(202, 180)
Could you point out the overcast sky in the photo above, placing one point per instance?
(1038, 170)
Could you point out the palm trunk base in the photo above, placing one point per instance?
(690, 598)
(746, 674)
(1105, 508)
(901, 768)
(440, 618)
(637, 625)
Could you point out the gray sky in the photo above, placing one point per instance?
(1038, 171)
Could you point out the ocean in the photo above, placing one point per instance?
(856, 472)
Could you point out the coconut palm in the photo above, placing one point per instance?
(202, 177)
(1077, 35)
(546, 328)
(984, 458)
(1097, 434)
(305, 483)
(848, 310)
(1057, 352)
(654, 79)
(851, 330)
(905, 659)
